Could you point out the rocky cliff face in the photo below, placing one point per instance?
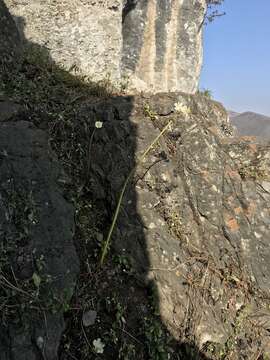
(162, 44)
(195, 220)
(156, 44)
(36, 240)
(187, 272)
(190, 249)
(82, 34)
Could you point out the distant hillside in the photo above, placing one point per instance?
(251, 124)
(232, 113)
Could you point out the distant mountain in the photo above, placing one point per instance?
(251, 124)
(232, 113)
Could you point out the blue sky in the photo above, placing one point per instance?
(237, 56)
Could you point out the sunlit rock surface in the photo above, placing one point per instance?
(141, 45)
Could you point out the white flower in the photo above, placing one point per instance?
(98, 124)
(182, 108)
(99, 346)
(40, 342)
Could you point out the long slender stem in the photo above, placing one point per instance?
(130, 175)
(89, 153)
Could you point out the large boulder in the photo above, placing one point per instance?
(82, 35)
(195, 219)
(38, 262)
(151, 45)
(162, 44)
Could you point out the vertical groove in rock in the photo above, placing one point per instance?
(146, 66)
(170, 66)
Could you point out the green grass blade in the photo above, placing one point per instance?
(130, 175)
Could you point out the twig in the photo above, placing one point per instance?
(14, 277)
(164, 269)
(6, 283)
(130, 335)
(86, 339)
(258, 355)
(85, 336)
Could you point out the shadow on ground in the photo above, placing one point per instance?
(97, 161)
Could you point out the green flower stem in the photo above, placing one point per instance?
(89, 153)
(130, 175)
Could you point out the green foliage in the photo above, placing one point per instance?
(127, 351)
(155, 340)
(205, 92)
(36, 279)
(149, 112)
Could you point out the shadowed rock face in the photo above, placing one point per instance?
(38, 263)
(156, 44)
(9, 36)
(194, 223)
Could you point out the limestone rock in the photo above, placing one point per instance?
(153, 45)
(38, 263)
(162, 44)
(83, 35)
(195, 221)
